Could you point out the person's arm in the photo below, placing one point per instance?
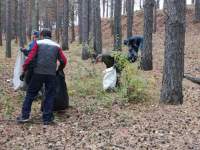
(62, 59)
(31, 56)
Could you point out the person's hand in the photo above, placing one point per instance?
(22, 76)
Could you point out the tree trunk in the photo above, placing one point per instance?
(117, 26)
(197, 11)
(146, 53)
(141, 4)
(72, 24)
(111, 17)
(90, 17)
(85, 29)
(97, 26)
(104, 7)
(158, 4)
(1, 43)
(130, 14)
(24, 12)
(37, 15)
(8, 28)
(58, 21)
(173, 70)
(15, 19)
(30, 6)
(165, 5)
(21, 23)
(65, 45)
(107, 9)
(124, 6)
(80, 20)
(111, 8)
(193, 1)
(155, 17)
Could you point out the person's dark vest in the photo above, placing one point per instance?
(46, 62)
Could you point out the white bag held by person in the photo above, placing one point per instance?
(17, 83)
(110, 78)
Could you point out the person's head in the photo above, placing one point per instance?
(45, 33)
(130, 42)
(35, 35)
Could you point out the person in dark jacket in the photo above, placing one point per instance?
(134, 43)
(48, 52)
(26, 51)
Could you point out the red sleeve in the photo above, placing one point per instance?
(62, 57)
(31, 56)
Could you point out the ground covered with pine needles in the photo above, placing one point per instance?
(99, 120)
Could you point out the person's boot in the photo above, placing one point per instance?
(21, 119)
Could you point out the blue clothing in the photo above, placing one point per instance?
(135, 42)
(50, 92)
(30, 46)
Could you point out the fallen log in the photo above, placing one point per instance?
(193, 79)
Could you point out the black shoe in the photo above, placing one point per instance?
(49, 123)
(20, 119)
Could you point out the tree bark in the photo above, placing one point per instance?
(111, 8)
(130, 14)
(21, 23)
(80, 20)
(85, 29)
(104, 7)
(58, 20)
(173, 70)
(35, 13)
(1, 43)
(146, 53)
(124, 6)
(97, 26)
(65, 45)
(72, 23)
(117, 26)
(155, 17)
(107, 9)
(193, 1)
(31, 3)
(111, 17)
(197, 10)
(8, 28)
(141, 4)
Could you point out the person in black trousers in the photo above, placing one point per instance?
(47, 52)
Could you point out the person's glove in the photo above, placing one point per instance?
(22, 76)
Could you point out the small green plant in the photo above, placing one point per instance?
(120, 60)
(8, 107)
(133, 86)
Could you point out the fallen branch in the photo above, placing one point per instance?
(193, 79)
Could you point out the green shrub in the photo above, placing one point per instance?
(121, 60)
(133, 86)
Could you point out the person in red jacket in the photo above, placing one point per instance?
(46, 52)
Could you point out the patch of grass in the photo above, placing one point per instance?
(8, 107)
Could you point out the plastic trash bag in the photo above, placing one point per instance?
(61, 101)
(17, 83)
(110, 78)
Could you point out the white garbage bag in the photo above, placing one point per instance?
(17, 83)
(110, 78)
